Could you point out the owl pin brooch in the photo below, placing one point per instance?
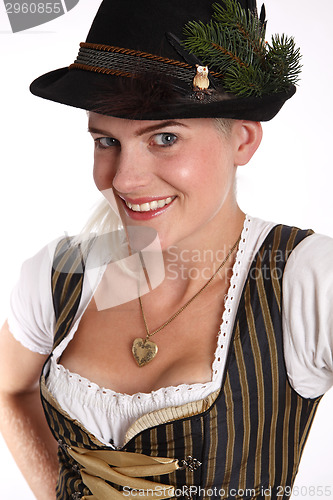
(201, 82)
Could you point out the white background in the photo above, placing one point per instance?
(46, 186)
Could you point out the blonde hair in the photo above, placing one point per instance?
(103, 220)
(224, 125)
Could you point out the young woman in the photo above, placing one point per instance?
(171, 169)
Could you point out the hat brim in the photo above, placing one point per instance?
(79, 88)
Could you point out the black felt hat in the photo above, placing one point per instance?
(141, 58)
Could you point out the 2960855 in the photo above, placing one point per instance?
(33, 8)
(312, 491)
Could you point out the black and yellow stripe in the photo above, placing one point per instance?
(250, 436)
(67, 283)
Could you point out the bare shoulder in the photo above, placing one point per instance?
(20, 368)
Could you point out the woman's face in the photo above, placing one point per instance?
(176, 176)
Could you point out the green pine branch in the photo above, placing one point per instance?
(232, 15)
(233, 44)
(283, 58)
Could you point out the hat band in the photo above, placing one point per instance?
(127, 62)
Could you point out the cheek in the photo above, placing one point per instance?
(190, 168)
(206, 165)
(103, 174)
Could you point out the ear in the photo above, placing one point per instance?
(247, 138)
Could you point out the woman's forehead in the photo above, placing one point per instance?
(96, 120)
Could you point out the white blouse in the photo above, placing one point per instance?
(307, 329)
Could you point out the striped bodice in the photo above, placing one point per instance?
(249, 436)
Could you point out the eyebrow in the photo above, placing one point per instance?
(94, 130)
(159, 126)
(142, 131)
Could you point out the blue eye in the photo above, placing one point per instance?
(106, 142)
(165, 139)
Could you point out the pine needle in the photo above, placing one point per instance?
(233, 44)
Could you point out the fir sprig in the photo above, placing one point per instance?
(284, 58)
(233, 44)
(233, 16)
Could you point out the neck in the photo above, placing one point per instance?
(209, 247)
(189, 265)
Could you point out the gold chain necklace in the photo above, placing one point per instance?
(144, 350)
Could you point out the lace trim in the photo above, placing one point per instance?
(64, 383)
(224, 336)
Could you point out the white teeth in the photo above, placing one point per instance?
(161, 203)
(145, 207)
(153, 205)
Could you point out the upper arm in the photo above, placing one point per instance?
(31, 316)
(308, 316)
(20, 368)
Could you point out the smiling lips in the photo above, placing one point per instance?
(149, 206)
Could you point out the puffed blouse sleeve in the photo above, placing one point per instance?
(31, 316)
(308, 316)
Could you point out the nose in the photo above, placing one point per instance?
(133, 171)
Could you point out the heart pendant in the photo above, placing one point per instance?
(144, 351)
